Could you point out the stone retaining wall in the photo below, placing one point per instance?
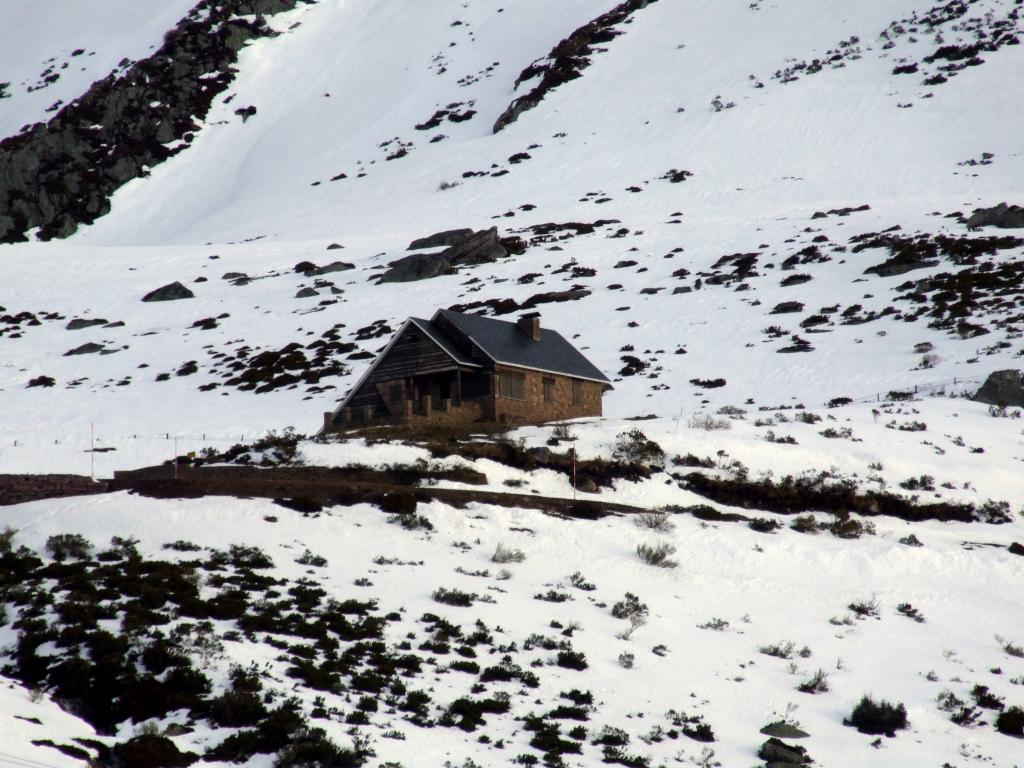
(16, 489)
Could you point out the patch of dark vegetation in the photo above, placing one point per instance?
(1011, 722)
(840, 211)
(508, 306)
(568, 59)
(148, 670)
(908, 253)
(601, 472)
(786, 307)
(823, 493)
(676, 176)
(881, 717)
(61, 174)
(834, 58)
(287, 367)
(991, 289)
(708, 383)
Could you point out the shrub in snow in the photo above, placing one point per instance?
(571, 660)
(959, 712)
(412, 522)
(785, 650)
(708, 423)
(764, 525)
(578, 581)
(1011, 722)
(453, 597)
(634, 445)
(845, 527)
(628, 607)
(63, 546)
(311, 747)
(906, 609)
(308, 558)
(626, 660)
(503, 554)
(1010, 648)
(655, 521)
(865, 608)
(816, 683)
(879, 717)
(657, 554)
(717, 105)
(804, 524)
(995, 512)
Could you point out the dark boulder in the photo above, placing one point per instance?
(448, 237)
(334, 266)
(80, 322)
(419, 266)
(466, 248)
(306, 293)
(777, 754)
(169, 292)
(783, 730)
(481, 247)
(1016, 548)
(1002, 216)
(49, 381)
(1002, 388)
(85, 349)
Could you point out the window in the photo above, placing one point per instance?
(577, 392)
(549, 390)
(512, 386)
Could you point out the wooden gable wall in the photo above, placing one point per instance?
(413, 353)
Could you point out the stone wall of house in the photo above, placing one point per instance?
(533, 409)
(17, 489)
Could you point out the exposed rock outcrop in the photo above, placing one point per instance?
(86, 349)
(448, 237)
(465, 248)
(169, 292)
(778, 754)
(79, 323)
(1002, 388)
(568, 59)
(58, 175)
(1002, 216)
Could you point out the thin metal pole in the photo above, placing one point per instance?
(572, 452)
(175, 457)
(92, 451)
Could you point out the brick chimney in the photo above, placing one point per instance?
(530, 325)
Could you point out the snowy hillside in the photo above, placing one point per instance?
(752, 216)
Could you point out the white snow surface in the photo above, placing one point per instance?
(770, 589)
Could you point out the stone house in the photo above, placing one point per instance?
(458, 368)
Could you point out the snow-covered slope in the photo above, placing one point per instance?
(733, 593)
(344, 87)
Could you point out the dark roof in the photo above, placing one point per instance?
(503, 342)
(438, 337)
